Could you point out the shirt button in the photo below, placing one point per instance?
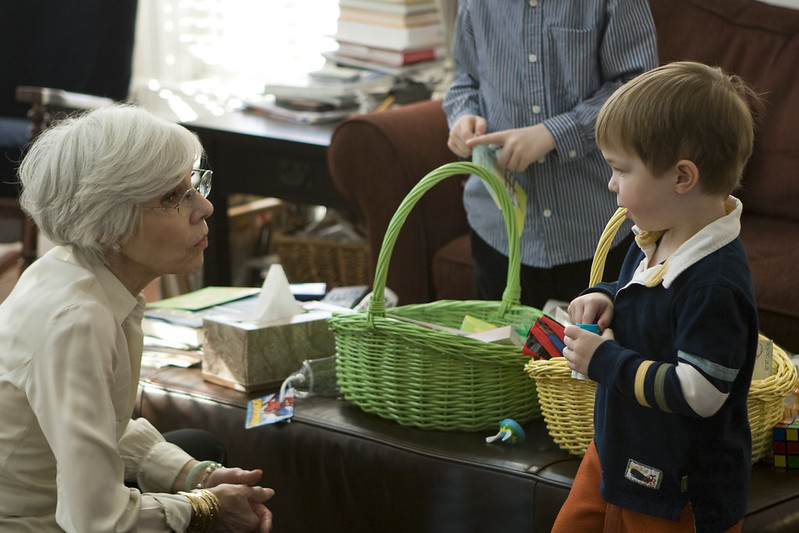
(542, 160)
(572, 153)
(547, 213)
(536, 109)
(532, 58)
(533, 3)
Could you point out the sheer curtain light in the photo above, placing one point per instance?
(235, 44)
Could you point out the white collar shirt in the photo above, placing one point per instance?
(712, 237)
(70, 352)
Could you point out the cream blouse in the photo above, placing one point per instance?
(70, 352)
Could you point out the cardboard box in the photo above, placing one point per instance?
(252, 356)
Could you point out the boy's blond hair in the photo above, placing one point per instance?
(683, 110)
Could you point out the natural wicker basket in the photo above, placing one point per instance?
(433, 379)
(309, 259)
(567, 404)
(766, 402)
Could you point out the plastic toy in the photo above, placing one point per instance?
(786, 444)
(509, 430)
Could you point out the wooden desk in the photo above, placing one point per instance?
(252, 154)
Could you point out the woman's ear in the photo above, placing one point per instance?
(687, 176)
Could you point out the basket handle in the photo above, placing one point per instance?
(603, 246)
(512, 292)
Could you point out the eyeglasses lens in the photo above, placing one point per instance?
(201, 180)
(200, 184)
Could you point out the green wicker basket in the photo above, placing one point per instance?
(433, 379)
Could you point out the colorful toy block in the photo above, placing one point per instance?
(785, 436)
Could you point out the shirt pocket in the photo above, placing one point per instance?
(573, 69)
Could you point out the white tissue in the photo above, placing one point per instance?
(276, 300)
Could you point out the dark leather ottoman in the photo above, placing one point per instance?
(336, 468)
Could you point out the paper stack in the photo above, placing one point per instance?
(329, 94)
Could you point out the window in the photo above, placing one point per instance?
(223, 49)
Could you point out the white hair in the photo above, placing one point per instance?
(84, 177)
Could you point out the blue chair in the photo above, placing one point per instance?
(54, 55)
(46, 105)
(14, 134)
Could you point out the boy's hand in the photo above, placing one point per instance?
(592, 308)
(581, 345)
(520, 147)
(465, 128)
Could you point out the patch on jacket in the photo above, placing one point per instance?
(643, 475)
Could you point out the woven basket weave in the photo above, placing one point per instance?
(433, 379)
(567, 404)
(766, 402)
(307, 259)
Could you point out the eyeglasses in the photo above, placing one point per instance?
(200, 184)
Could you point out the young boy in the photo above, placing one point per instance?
(679, 332)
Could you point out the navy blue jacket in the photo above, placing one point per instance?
(671, 403)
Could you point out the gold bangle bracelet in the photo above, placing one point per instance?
(205, 509)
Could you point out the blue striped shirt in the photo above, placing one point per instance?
(524, 62)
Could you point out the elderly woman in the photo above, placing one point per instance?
(117, 193)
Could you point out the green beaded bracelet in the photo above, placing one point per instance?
(204, 468)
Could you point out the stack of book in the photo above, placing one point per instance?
(177, 322)
(394, 36)
(326, 95)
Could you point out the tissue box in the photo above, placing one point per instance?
(252, 356)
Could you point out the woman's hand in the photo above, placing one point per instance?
(242, 508)
(233, 476)
(241, 504)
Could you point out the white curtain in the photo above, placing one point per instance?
(230, 41)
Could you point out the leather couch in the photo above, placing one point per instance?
(337, 469)
(375, 159)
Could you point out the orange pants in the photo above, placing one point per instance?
(586, 511)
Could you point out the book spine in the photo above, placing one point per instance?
(414, 56)
(389, 57)
(391, 38)
(388, 19)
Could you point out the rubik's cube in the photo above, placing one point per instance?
(786, 444)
